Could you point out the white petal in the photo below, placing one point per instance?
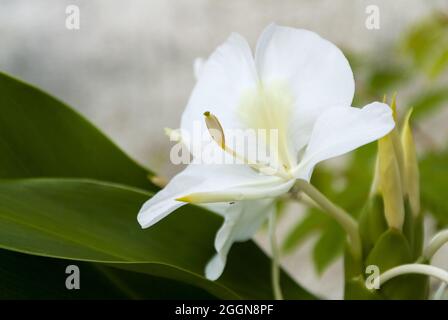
(228, 72)
(341, 130)
(316, 71)
(198, 66)
(242, 220)
(211, 182)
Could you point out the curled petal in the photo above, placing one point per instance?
(341, 130)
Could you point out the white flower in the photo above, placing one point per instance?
(297, 83)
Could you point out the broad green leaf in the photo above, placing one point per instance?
(355, 289)
(434, 185)
(42, 137)
(25, 276)
(93, 221)
(372, 222)
(392, 249)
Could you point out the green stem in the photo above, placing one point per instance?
(343, 218)
(275, 269)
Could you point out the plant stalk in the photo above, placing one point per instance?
(275, 267)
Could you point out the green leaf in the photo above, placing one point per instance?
(328, 247)
(392, 249)
(355, 289)
(372, 223)
(429, 102)
(419, 235)
(42, 137)
(427, 44)
(25, 276)
(313, 221)
(434, 185)
(383, 78)
(93, 221)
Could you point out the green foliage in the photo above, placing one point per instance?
(429, 102)
(314, 221)
(93, 221)
(26, 276)
(328, 247)
(434, 185)
(351, 197)
(393, 249)
(42, 137)
(427, 45)
(372, 223)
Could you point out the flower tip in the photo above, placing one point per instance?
(207, 113)
(393, 106)
(184, 199)
(159, 181)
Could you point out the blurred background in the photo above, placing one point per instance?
(129, 69)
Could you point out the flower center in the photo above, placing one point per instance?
(269, 108)
(266, 110)
(217, 133)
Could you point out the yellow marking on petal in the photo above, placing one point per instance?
(184, 199)
(207, 197)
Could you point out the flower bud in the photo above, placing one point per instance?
(411, 172)
(389, 183)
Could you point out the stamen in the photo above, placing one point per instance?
(217, 133)
(215, 129)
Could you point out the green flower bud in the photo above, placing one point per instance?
(411, 172)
